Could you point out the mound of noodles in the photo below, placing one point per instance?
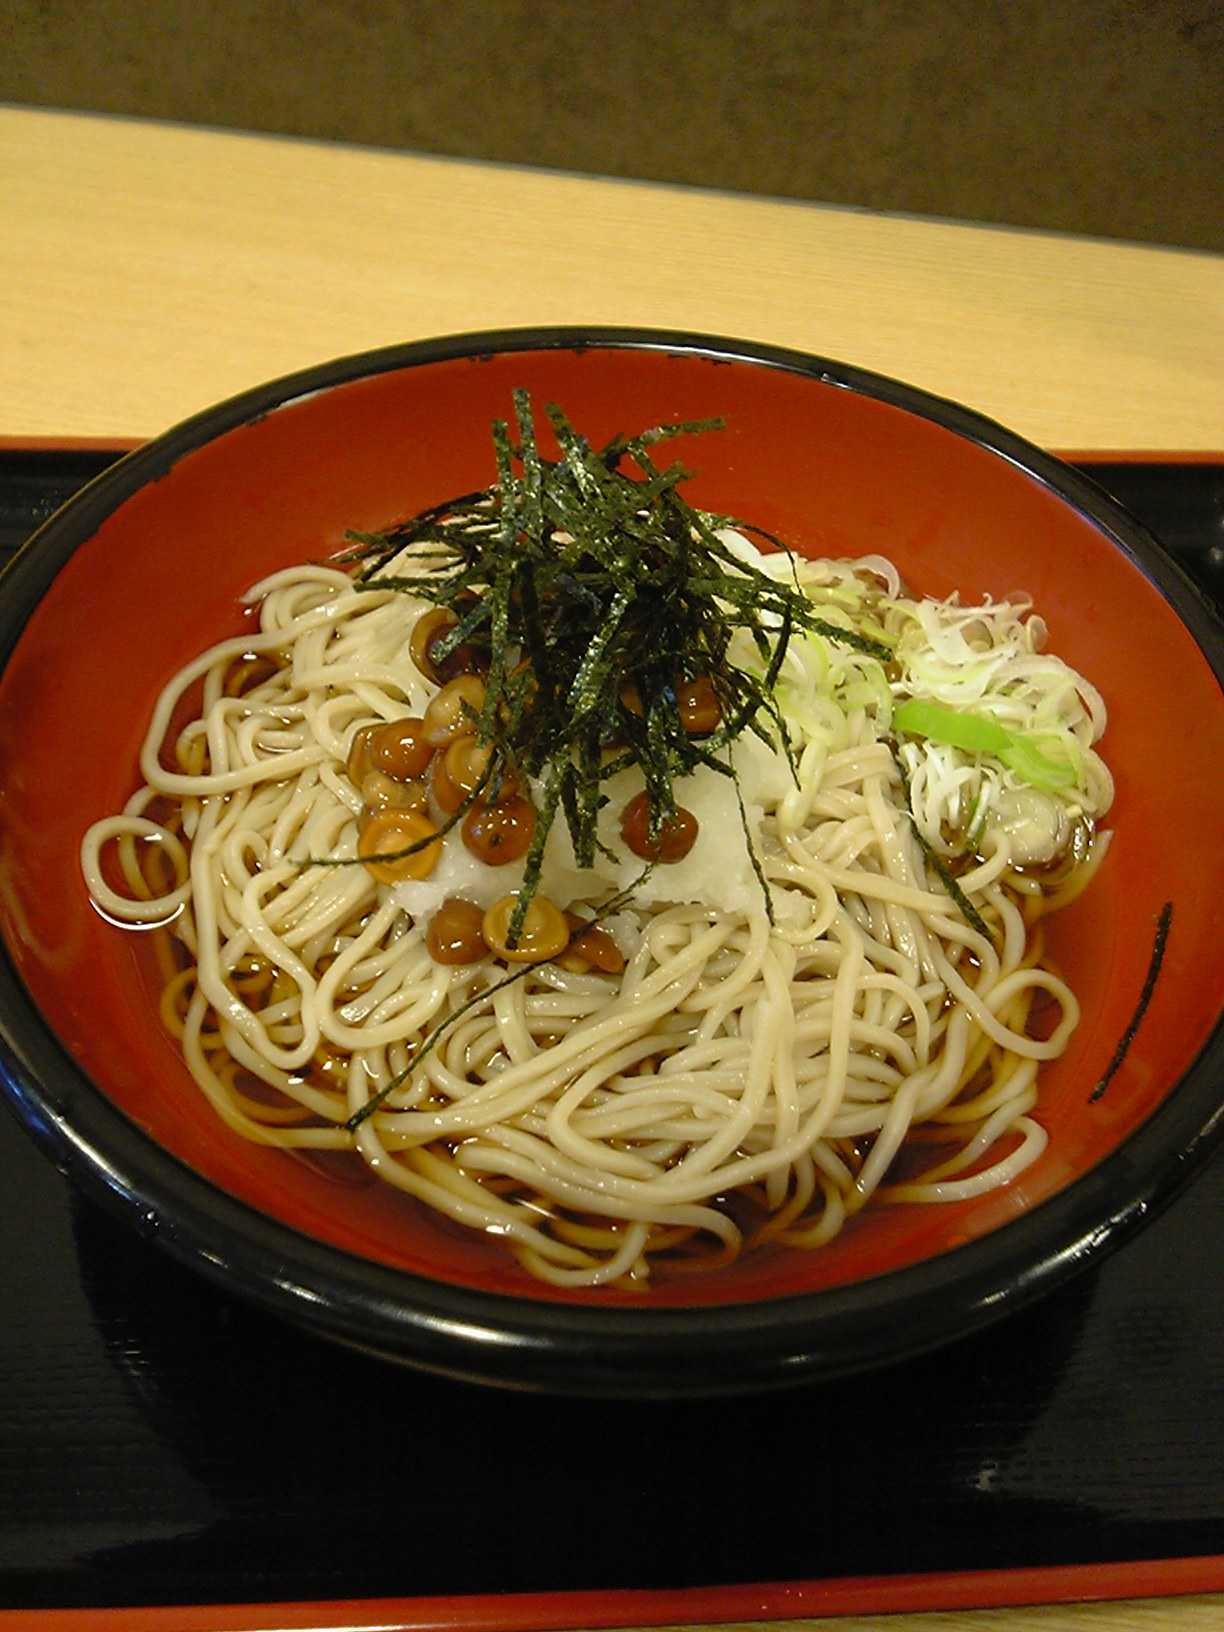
(741, 1082)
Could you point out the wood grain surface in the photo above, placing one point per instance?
(149, 270)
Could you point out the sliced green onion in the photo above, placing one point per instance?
(1037, 768)
(976, 733)
(980, 734)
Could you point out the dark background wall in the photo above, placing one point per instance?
(1098, 116)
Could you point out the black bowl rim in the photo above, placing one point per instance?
(586, 1349)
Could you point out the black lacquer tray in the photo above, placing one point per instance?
(161, 1444)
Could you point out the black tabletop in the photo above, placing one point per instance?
(162, 1443)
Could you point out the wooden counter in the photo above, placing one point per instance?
(148, 270)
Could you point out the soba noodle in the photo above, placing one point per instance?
(739, 1082)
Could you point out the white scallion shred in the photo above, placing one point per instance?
(989, 659)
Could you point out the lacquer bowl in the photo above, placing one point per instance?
(144, 568)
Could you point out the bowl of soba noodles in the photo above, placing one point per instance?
(611, 861)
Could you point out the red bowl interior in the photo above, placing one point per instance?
(829, 470)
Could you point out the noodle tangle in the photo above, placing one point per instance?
(739, 1083)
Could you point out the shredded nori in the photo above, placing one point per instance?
(595, 592)
(1163, 925)
(940, 866)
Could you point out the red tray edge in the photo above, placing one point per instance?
(705, 1606)
(1139, 456)
(70, 444)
